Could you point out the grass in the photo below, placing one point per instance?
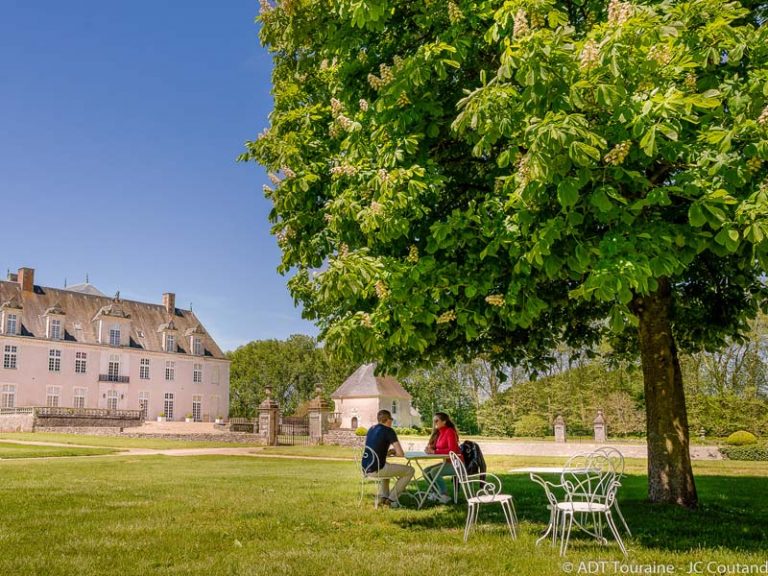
(212, 515)
(115, 441)
(8, 450)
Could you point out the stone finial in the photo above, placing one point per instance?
(318, 403)
(268, 402)
(559, 425)
(599, 419)
(599, 425)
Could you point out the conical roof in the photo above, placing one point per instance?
(364, 383)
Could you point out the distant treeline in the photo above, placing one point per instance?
(725, 391)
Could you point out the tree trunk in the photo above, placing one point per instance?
(670, 477)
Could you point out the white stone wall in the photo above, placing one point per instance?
(17, 423)
(365, 409)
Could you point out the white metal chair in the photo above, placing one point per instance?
(590, 485)
(617, 460)
(365, 479)
(482, 489)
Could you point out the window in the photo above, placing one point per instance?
(112, 399)
(54, 362)
(197, 346)
(8, 397)
(80, 362)
(168, 405)
(11, 323)
(197, 408)
(79, 397)
(52, 398)
(144, 369)
(9, 357)
(197, 373)
(113, 369)
(114, 335)
(394, 407)
(215, 375)
(144, 404)
(54, 329)
(170, 343)
(170, 370)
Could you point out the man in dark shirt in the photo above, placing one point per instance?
(378, 440)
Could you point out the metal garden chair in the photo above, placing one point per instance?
(617, 460)
(478, 491)
(365, 479)
(590, 483)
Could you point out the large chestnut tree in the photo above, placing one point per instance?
(487, 177)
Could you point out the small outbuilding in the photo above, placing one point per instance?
(363, 394)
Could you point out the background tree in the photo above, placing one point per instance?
(292, 367)
(487, 177)
(444, 388)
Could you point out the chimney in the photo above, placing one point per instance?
(169, 301)
(27, 279)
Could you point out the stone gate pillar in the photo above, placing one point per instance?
(559, 429)
(318, 417)
(269, 412)
(599, 424)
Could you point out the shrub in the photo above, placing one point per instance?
(754, 452)
(741, 438)
(531, 425)
(401, 431)
(361, 431)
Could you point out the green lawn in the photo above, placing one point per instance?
(114, 441)
(213, 515)
(8, 450)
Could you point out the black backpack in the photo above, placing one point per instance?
(473, 458)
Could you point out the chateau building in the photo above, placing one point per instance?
(78, 348)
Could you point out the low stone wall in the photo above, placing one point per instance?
(343, 437)
(17, 422)
(230, 437)
(76, 422)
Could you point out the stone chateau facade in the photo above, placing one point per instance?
(78, 348)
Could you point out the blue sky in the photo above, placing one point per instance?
(120, 123)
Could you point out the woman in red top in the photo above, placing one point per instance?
(444, 439)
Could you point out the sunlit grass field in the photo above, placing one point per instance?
(214, 515)
(8, 450)
(115, 441)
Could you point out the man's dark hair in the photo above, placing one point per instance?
(383, 415)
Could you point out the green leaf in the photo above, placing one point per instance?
(696, 215)
(648, 142)
(600, 200)
(568, 193)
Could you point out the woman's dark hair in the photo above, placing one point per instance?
(448, 424)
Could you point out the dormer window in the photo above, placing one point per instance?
(195, 337)
(114, 335)
(11, 324)
(54, 329)
(168, 330)
(10, 317)
(54, 322)
(170, 342)
(113, 323)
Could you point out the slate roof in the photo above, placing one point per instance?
(86, 288)
(364, 383)
(81, 309)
